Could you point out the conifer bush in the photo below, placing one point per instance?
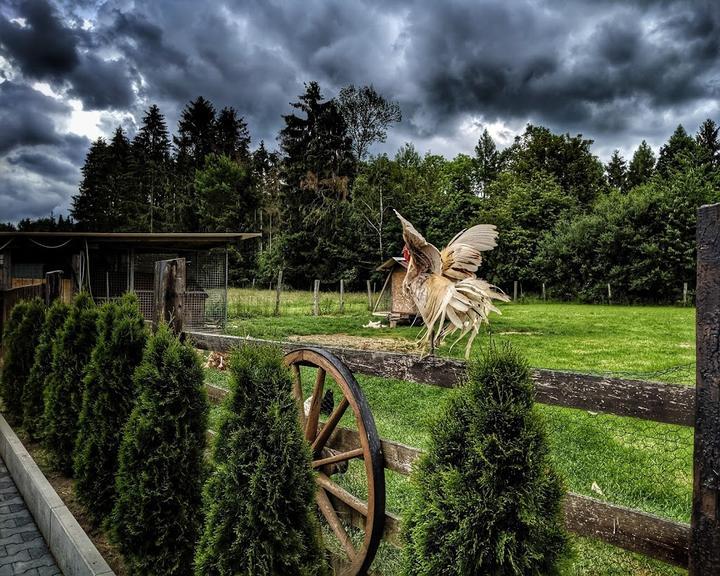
(19, 342)
(265, 524)
(108, 399)
(33, 393)
(64, 387)
(157, 517)
(488, 499)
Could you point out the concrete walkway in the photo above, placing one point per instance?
(22, 548)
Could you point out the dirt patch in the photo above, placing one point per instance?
(64, 487)
(359, 342)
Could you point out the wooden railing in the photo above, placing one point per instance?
(633, 530)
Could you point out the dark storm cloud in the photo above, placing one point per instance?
(615, 71)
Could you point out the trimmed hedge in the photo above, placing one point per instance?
(19, 342)
(108, 399)
(64, 387)
(33, 404)
(259, 499)
(489, 500)
(157, 517)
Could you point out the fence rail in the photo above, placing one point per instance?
(651, 535)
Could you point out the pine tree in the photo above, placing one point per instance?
(489, 501)
(33, 393)
(150, 204)
(19, 342)
(642, 166)
(91, 206)
(709, 144)
(232, 137)
(266, 524)
(488, 161)
(677, 152)
(119, 182)
(108, 399)
(157, 517)
(616, 171)
(65, 384)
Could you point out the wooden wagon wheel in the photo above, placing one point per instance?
(334, 501)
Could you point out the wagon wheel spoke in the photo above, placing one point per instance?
(298, 393)
(333, 520)
(335, 458)
(329, 426)
(354, 502)
(313, 416)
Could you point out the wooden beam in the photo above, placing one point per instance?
(169, 293)
(705, 541)
(668, 403)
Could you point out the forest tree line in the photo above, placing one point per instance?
(324, 205)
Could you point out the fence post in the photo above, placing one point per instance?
(53, 286)
(684, 293)
(169, 293)
(515, 283)
(705, 523)
(278, 290)
(370, 304)
(342, 296)
(316, 298)
(609, 294)
(543, 293)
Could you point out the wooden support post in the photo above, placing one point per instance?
(705, 523)
(609, 294)
(543, 293)
(278, 290)
(370, 304)
(342, 296)
(515, 288)
(316, 298)
(169, 293)
(53, 286)
(684, 293)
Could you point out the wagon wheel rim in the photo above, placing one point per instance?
(319, 435)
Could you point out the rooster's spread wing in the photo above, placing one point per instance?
(426, 258)
(463, 255)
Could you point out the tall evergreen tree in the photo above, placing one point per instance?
(119, 184)
(488, 161)
(91, 206)
(232, 137)
(616, 171)
(679, 150)
(108, 398)
(708, 144)
(151, 200)
(642, 166)
(318, 166)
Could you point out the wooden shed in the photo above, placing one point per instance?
(392, 302)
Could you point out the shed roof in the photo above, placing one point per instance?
(390, 263)
(176, 239)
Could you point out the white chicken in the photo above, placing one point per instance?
(444, 286)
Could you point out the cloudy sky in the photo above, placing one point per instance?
(615, 71)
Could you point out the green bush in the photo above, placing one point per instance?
(64, 387)
(108, 399)
(488, 500)
(32, 397)
(19, 342)
(265, 524)
(157, 517)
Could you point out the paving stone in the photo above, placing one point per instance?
(23, 551)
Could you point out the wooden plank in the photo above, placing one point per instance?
(278, 291)
(705, 541)
(169, 293)
(668, 403)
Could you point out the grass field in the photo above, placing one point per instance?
(639, 464)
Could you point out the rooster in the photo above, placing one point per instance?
(444, 286)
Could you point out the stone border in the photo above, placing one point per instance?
(74, 552)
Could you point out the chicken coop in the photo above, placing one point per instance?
(107, 265)
(392, 302)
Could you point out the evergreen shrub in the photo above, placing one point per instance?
(157, 517)
(19, 342)
(488, 499)
(33, 404)
(265, 524)
(64, 387)
(108, 399)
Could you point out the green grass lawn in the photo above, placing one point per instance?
(635, 463)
